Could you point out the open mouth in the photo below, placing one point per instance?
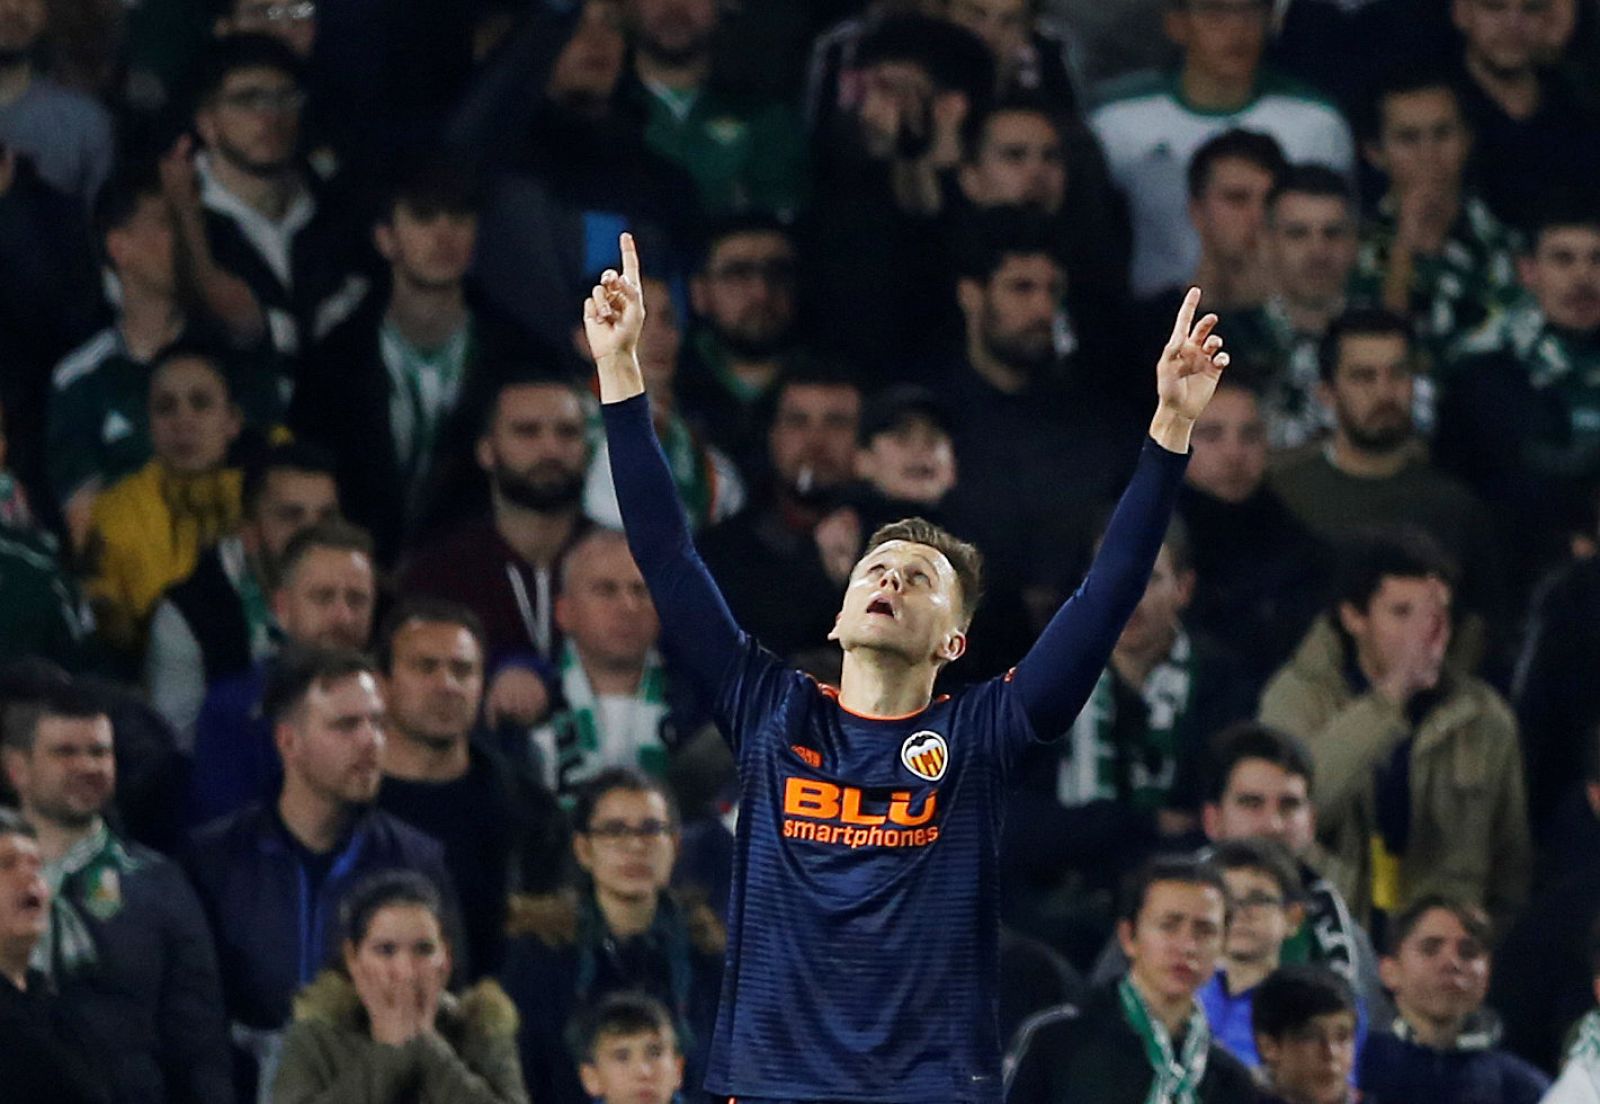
(881, 606)
(31, 902)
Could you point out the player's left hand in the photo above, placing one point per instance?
(1192, 362)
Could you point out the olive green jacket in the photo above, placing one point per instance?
(329, 1056)
(1469, 820)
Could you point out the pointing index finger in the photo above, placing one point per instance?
(1180, 328)
(630, 260)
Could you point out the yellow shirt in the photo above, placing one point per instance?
(147, 532)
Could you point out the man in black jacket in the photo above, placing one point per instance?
(127, 948)
(43, 1054)
(271, 876)
(1146, 1037)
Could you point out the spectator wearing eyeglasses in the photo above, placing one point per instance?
(273, 254)
(745, 308)
(618, 929)
(1265, 910)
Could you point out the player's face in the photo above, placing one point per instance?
(428, 249)
(1505, 36)
(536, 452)
(812, 442)
(254, 121)
(1020, 162)
(746, 292)
(334, 745)
(1229, 457)
(1263, 800)
(1155, 618)
(912, 461)
(604, 607)
(629, 845)
(1372, 391)
(1173, 944)
(1423, 143)
(290, 501)
(24, 896)
(643, 1068)
(1016, 311)
(1441, 971)
(1222, 38)
(1311, 1063)
(327, 600)
(1564, 276)
(70, 774)
(903, 599)
(192, 419)
(1258, 922)
(1229, 216)
(435, 682)
(1313, 243)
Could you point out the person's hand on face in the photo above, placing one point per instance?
(394, 1008)
(1416, 660)
(1423, 220)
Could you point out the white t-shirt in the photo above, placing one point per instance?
(1149, 134)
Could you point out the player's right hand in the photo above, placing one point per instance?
(613, 315)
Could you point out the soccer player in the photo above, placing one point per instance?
(863, 923)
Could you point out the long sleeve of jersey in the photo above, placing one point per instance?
(1055, 677)
(698, 631)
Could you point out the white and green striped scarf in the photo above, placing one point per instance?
(87, 879)
(588, 735)
(1096, 769)
(1177, 1075)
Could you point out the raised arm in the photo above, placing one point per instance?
(696, 626)
(1058, 672)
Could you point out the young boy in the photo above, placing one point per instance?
(628, 1052)
(1264, 910)
(1305, 1030)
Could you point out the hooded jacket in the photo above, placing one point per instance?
(330, 1056)
(1467, 823)
(562, 957)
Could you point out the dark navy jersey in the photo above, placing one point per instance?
(863, 953)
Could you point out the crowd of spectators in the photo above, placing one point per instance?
(340, 760)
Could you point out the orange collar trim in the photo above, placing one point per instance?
(833, 692)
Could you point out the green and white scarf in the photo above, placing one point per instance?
(87, 879)
(1584, 1052)
(577, 742)
(424, 386)
(1470, 280)
(1097, 769)
(1177, 1075)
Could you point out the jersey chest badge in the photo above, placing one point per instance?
(925, 755)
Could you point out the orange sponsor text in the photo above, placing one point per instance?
(848, 816)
